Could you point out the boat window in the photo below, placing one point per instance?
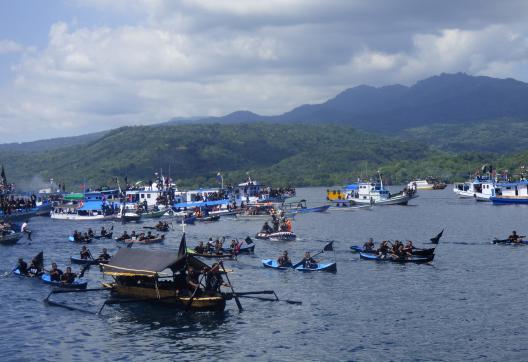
(148, 196)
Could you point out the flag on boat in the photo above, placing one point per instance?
(182, 251)
(436, 239)
(329, 246)
(3, 175)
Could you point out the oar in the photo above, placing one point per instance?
(194, 293)
(272, 300)
(239, 305)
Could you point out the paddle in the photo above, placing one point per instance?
(194, 293)
(272, 300)
(239, 305)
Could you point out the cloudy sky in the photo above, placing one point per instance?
(73, 67)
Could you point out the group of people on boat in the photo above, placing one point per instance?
(80, 237)
(279, 224)
(216, 247)
(36, 269)
(85, 254)
(162, 226)
(11, 205)
(395, 249)
(211, 277)
(307, 261)
(139, 237)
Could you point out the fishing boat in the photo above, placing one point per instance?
(10, 237)
(511, 193)
(277, 236)
(129, 213)
(389, 258)
(427, 184)
(370, 193)
(83, 211)
(253, 192)
(153, 214)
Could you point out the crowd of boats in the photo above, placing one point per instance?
(183, 278)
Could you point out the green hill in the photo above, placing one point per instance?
(300, 155)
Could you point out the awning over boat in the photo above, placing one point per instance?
(351, 187)
(141, 262)
(91, 205)
(201, 203)
(73, 197)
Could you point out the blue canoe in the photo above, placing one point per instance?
(310, 209)
(47, 280)
(328, 267)
(412, 259)
(509, 242)
(75, 285)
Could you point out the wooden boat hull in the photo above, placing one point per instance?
(144, 241)
(278, 236)
(388, 258)
(170, 297)
(79, 261)
(10, 239)
(210, 256)
(107, 236)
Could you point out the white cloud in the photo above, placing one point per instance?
(189, 58)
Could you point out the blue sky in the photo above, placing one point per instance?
(72, 67)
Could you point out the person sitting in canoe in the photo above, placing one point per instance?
(200, 248)
(22, 267)
(55, 273)
(77, 236)
(369, 245)
(308, 261)
(68, 277)
(90, 233)
(284, 260)
(408, 248)
(266, 228)
(383, 248)
(213, 279)
(36, 267)
(125, 236)
(104, 256)
(514, 237)
(234, 247)
(85, 253)
(398, 252)
(218, 247)
(133, 234)
(103, 231)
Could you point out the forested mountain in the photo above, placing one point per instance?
(446, 98)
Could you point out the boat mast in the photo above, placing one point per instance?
(381, 180)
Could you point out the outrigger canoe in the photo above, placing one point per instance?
(79, 261)
(412, 259)
(47, 280)
(327, 267)
(278, 236)
(10, 238)
(416, 251)
(509, 242)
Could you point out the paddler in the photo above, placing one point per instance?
(384, 248)
(514, 237)
(408, 248)
(266, 228)
(85, 253)
(369, 245)
(22, 267)
(308, 261)
(68, 277)
(193, 282)
(103, 231)
(213, 279)
(55, 273)
(284, 260)
(200, 248)
(104, 256)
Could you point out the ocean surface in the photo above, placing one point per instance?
(469, 304)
